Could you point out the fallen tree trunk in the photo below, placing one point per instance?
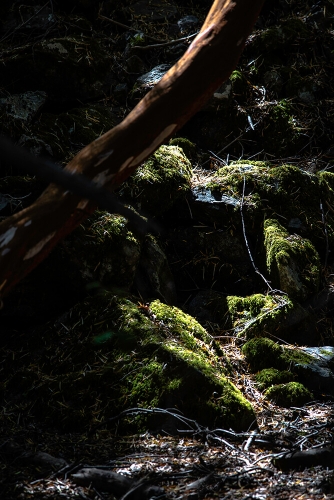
(27, 237)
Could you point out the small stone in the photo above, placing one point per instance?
(152, 77)
(187, 23)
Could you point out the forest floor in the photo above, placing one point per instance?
(203, 463)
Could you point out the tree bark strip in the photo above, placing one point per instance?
(27, 237)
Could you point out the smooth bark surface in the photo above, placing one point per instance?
(27, 237)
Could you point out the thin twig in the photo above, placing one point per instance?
(22, 24)
(164, 44)
(245, 238)
(325, 231)
(100, 16)
(234, 140)
(250, 440)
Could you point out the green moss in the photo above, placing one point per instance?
(285, 190)
(163, 178)
(290, 394)
(292, 261)
(117, 357)
(180, 323)
(283, 134)
(271, 376)
(265, 353)
(255, 315)
(105, 250)
(239, 82)
(188, 147)
(260, 164)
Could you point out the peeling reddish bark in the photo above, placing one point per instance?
(27, 237)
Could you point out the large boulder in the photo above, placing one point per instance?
(115, 355)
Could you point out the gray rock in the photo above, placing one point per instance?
(205, 195)
(187, 23)
(152, 77)
(318, 374)
(23, 107)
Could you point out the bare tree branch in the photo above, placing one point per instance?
(27, 237)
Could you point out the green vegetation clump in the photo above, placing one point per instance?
(119, 355)
(283, 132)
(267, 191)
(105, 250)
(257, 314)
(239, 82)
(265, 353)
(271, 376)
(292, 261)
(260, 164)
(290, 394)
(163, 178)
(188, 147)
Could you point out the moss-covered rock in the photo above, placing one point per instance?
(290, 375)
(119, 357)
(290, 394)
(265, 353)
(188, 147)
(271, 376)
(104, 250)
(270, 190)
(163, 178)
(267, 191)
(292, 261)
(258, 314)
(283, 132)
